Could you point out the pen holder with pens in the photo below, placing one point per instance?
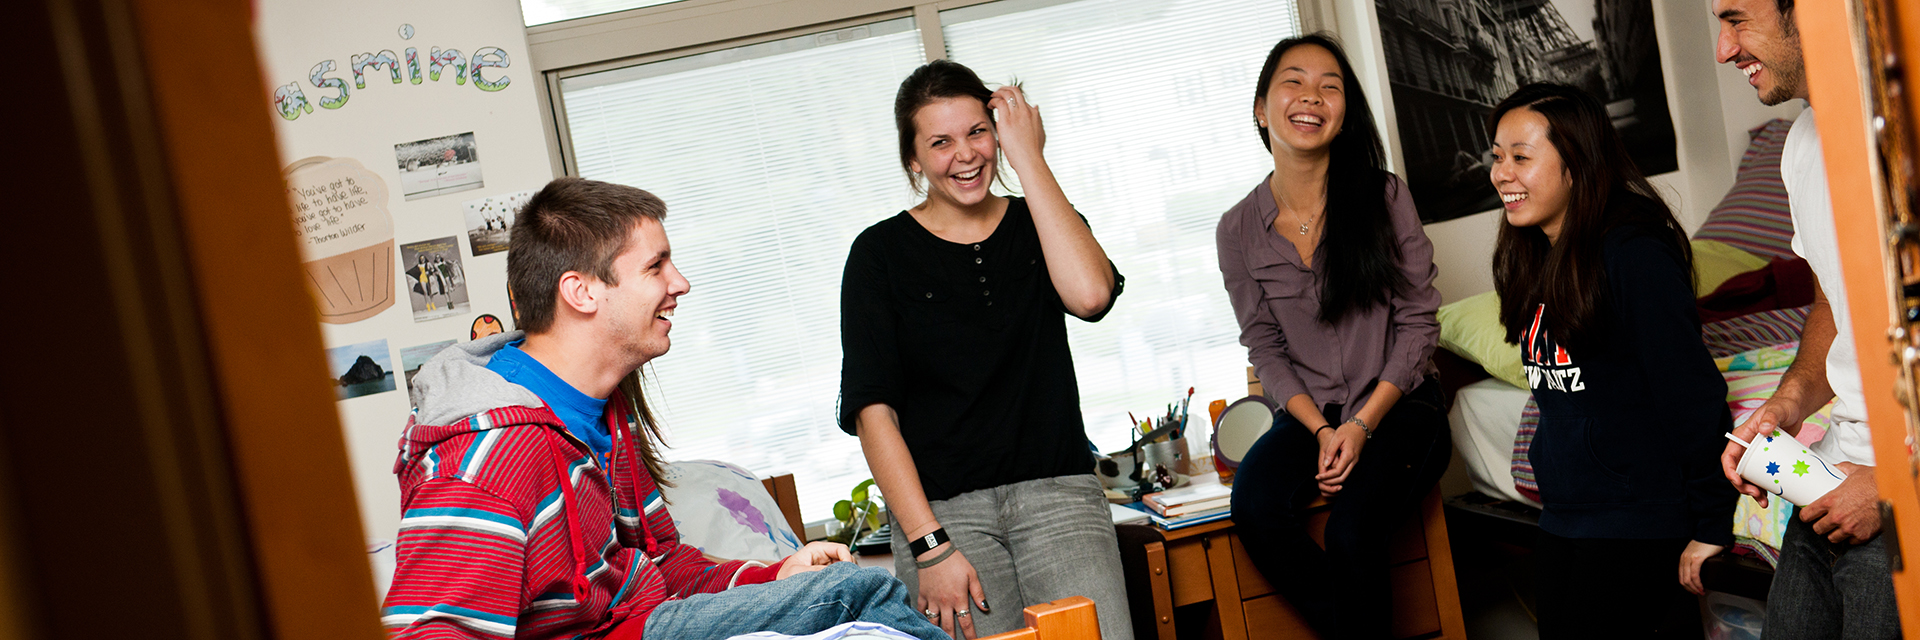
(1158, 459)
(1171, 453)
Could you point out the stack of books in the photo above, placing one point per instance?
(1188, 506)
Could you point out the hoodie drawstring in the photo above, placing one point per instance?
(622, 439)
(578, 548)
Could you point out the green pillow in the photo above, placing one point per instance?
(1715, 262)
(1471, 327)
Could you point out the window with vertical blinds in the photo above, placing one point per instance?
(545, 11)
(1148, 107)
(771, 158)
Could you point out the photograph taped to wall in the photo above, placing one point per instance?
(361, 369)
(412, 357)
(436, 285)
(1450, 61)
(437, 166)
(490, 220)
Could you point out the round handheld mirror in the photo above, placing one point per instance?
(1240, 426)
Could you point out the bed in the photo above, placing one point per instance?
(1485, 419)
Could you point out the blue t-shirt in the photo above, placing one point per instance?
(584, 415)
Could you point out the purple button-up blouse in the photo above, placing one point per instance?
(1277, 301)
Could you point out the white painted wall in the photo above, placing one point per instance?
(1711, 105)
(293, 36)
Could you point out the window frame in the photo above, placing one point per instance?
(594, 44)
(690, 27)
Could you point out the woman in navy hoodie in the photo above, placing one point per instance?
(1595, 279)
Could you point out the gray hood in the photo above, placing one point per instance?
(456, 383)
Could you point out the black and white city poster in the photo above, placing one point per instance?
(1450, 61)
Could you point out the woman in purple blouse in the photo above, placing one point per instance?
(1331, 278)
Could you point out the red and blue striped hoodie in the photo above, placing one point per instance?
(509, 527)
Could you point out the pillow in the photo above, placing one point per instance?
(725, 512)
(1753, 216)
(1471, 327)
(1715, 262)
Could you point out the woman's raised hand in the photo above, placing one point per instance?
(1020, 132)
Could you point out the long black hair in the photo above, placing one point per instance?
(1569, 275)
(1360, 265)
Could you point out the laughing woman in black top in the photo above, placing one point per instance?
(1596, 286)
(957, 376)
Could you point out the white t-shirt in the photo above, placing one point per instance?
(1804, 171)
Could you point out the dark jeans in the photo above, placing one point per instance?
(1826, 590)
(1342, 591)
(1612, 588)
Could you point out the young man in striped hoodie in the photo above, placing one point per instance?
(527, 472)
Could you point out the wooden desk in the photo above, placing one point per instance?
(1206, 565)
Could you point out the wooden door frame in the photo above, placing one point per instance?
(1837, 78)
(172, 463)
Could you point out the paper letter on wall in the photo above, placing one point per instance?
(318, 77)
(486, 57)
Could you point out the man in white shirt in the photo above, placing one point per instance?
(1833, 580)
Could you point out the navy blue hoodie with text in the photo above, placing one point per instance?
(1630, 428)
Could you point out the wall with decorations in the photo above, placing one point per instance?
(408, 132)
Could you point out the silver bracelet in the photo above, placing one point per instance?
(1363, 426)
(937, 559)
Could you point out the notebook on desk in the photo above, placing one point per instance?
(1220, 513)
(1124, 515)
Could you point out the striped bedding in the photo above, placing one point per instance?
(1753, 215)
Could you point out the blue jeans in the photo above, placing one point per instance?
(1033, 542)
(799, 605)
(1825, 590)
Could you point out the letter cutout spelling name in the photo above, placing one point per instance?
(363, 60)
(489, 57)
(290, 100)
(318, 77)
(446, 58)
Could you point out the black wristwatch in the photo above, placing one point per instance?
(927, 542)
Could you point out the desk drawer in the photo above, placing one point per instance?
(1409, 542)
(1271, 616)
(1189, 578)
(1414, 611)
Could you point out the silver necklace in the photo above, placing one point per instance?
(1304, 226)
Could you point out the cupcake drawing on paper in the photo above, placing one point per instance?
(345, 234)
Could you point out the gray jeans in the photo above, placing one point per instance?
(1825, 590)
(1033, 542)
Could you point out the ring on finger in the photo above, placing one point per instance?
(932, 615)
(962, 613)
